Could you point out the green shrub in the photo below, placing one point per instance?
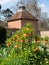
(23, 49)
(2, 35)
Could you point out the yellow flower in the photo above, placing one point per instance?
(40, 62)
(35, 49)
(25, 35)
(45, 41)
(16, 46)
(46, 61)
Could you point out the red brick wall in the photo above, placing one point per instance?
(14, 24)
(34, 23)
(20, 23)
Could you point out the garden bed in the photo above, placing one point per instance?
(25, 48)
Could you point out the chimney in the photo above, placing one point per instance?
(22, 7)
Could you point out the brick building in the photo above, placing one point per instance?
(18, 20)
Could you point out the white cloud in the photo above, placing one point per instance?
(3, 2)
(42, 5)
(7, 1)
(43, 8)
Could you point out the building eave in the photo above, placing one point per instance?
(22, 19)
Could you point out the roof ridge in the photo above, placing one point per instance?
(22, 14)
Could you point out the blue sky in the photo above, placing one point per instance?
(44, 4)
(7, 3)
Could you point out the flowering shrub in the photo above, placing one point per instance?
(25, 48)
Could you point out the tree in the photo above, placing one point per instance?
(0, 6)
(44, 15)
(44, 21)
(7, 13)
(0, 12)
(31, 6)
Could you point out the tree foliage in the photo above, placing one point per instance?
(2, 35)
(31, 6)
(44, 21)
(7, 13)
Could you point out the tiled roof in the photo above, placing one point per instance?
(22, 14)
